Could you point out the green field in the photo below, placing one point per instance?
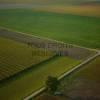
(30, 81)
(80, 30)
(15, 57)
(41, 2)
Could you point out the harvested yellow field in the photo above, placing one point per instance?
(16, 57)
(84, 10)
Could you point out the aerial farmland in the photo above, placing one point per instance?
(42, 38)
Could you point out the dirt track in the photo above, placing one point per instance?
(60, 48)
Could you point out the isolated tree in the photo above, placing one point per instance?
(52, 84)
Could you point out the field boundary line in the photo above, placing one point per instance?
(34, 94)
(45, 38)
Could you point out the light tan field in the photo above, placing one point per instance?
(85, 10)
(24, 1)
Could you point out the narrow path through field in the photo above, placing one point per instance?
(45, 38)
